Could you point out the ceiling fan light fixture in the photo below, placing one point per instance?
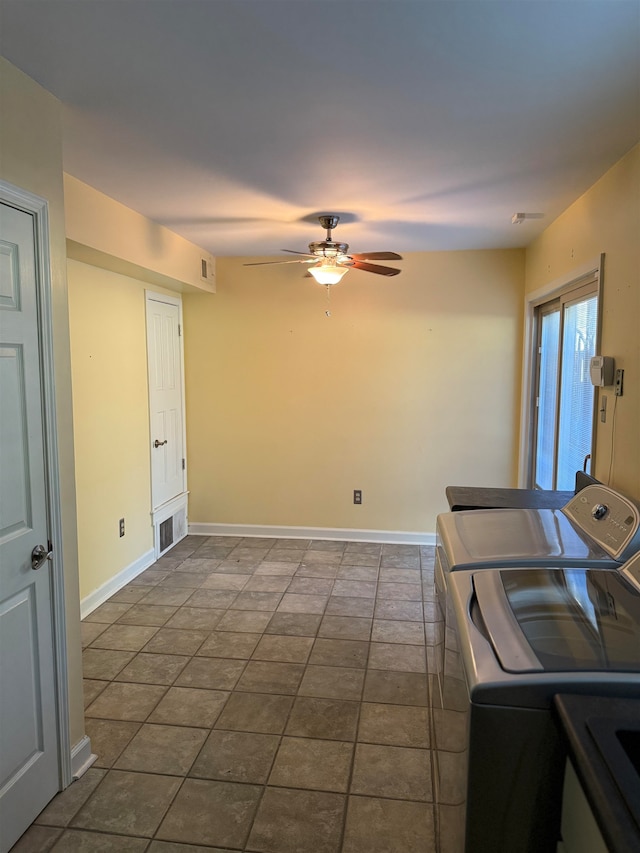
(328, 272)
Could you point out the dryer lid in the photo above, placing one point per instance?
(560, 620)
(511, 537)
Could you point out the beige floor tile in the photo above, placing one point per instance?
(268, 583)
(126, 637)
(311, 586)
(358, 568)
(147, 614)
(176, 641)
(395, 725)
(401, 773)
(195, 618)
(189, 706)
(355, 589)
(90, 630)
(294, 624)
(297, 822)
(104, 664)
(126, 702)
(332, 682)
(402, 591)
(255, 712)
(318, 765)
(37, 839)
(330, 719)
(396, 688)
(65, 805)
(388, 826)
(236, 757)
(275, 647)
(229, 644)
(345, 628)
(297, 603)
(213, 813)
(170, 750)
(91, 689)
(331, 652)
(398, 631)
(167, 596)
(109, 738)
(252, 600)
(270, 677)
(153, 669)
(218, 599)
(79, 841)
(108, 612)
(350, 606)
(228, 582)
(410, 611)
(132, 803)
(398, 657)
(244, 620)
(211, 673)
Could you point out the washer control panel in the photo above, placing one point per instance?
(609, 518)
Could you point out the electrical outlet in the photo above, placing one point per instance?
(121, 527)
(357, 496)
(619, 382)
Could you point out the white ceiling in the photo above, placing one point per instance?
(427, 124)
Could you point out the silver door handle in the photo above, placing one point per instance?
(157, 443)
(39, 557)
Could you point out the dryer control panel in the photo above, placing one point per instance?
(612, 520)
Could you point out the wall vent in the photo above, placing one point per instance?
(170, 526)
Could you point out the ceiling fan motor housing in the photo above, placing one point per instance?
(328, 249)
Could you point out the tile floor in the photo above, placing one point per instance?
(262, 695)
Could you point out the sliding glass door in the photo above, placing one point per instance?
(566, 332)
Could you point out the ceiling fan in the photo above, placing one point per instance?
(332, 260)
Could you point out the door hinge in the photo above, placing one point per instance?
(183, 464)
(179, 330)
(537, 402)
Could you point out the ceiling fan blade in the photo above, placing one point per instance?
(376, 256)
(293, 252)
(380, 270)
(266, 263)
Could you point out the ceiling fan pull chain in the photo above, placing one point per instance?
(328, 312)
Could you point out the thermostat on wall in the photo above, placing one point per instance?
(601, 370)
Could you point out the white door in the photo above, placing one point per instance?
(165, 400)
(29, 768)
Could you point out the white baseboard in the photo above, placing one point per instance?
(399, 537)
(100, 595)
(81, 757)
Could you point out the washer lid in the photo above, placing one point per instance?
(560, 620)
(511, 537)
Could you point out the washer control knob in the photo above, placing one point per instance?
(599, 511)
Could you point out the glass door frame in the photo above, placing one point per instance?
(588, 276)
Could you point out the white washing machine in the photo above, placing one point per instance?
(513, 638)
(597, 528)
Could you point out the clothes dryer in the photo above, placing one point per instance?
(513, 638)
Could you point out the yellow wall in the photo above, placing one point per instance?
(31, 158)
(111, 417)
(105, 241)
(107, 234)
(606, 219)
(412, 384)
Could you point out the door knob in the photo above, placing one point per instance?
(39, 557)
(157, 443)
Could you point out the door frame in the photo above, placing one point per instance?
(179, 502)
(39, 208)
(583, 273)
